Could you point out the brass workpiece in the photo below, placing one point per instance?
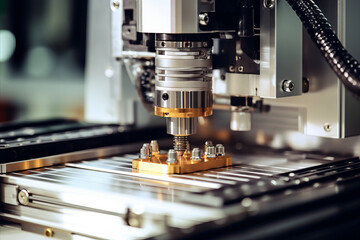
(183, 112)
(157, 163)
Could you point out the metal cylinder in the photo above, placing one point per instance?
(240, 121)
(196, 154)
(220, 150)
(211, 152)
(172, 156)
(207, 145)
(145, 151)
(181, 126)
(183, 85)
(181, 144)
(154, 146)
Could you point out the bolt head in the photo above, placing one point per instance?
(115, 5)
(269, 4)
(145, 151)
(220, 150)
(196, 154)
(23, 197)
(204, 19)
(327, 127)
(288, 85)
(172, 156)
(154, 146)
(211, 152)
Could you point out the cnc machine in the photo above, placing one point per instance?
(204, 118)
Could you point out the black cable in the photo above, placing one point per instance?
(346, 67)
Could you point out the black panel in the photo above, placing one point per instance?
(20, 141)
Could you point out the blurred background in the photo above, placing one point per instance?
(42, 59)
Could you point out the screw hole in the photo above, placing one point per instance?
(165, 96)
(49, 232)
(327, 127)
(116, 4)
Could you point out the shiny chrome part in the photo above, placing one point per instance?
(183, 81)
(154, 146)
(207, 144)
(181, 143)
(196, 154)
(181, 44)
(145, 151)
(23, 197)
(288, 86)
(183, 60)
(181, 126)
(172, 156)
(181, 98)
(270, 4)
(211, 152)
(240, 121)
(327, 127)
(220, 150)
(204, 19)
(183, 77)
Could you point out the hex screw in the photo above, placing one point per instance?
(327, 127)
(145, 151)
(115, 4)
(172, 156)
(207, 144)
(196, 154)
(211, 152)
(288, 85)
(154, 146)
(220, 150)
(204, 19)
(270, 4)
(23, 197)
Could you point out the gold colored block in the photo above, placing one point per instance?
(183, 112)
(157, 164)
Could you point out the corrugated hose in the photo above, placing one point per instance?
(346, 67)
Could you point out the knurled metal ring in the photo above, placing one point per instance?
(182, 44)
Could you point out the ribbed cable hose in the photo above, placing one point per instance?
(346, 67)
